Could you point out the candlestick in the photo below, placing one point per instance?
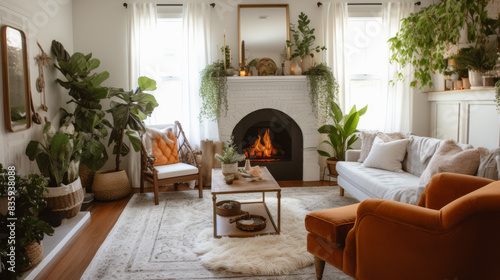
(224, 48)
(243, 53)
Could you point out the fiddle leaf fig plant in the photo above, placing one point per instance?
(86, 93)
(341, 134)
(129, 109)
(303, 38)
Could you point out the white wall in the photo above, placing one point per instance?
(43, 21)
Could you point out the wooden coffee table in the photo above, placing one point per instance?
(222, 227)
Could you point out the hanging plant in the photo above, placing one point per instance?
(213, 91)
(497, 95)
(425, 37)
(323, 89)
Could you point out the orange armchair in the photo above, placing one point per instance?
(453, 233)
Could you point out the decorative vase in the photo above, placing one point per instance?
(298, 71)
(307, 63)
(248, 167)
(229, 168)
(466, 83)
(475, 79)
(65, 200)
(286, 68)
(458, 84)
(34, 252)
(110, 185)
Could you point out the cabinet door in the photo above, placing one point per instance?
(483, 126)
(446, 120)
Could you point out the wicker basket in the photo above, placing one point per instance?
(87, 176)
(228, 212)
(34, 251)
(67, 198)
(110, 185)
(240, 224)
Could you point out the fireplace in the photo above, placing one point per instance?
(271, 138)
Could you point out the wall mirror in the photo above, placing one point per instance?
(263, 31)
(16, 81)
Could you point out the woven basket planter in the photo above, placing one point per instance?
(87, 176)
(34, 251)
(67, 198)
(110, 185)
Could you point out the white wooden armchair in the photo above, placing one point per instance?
(170, 169)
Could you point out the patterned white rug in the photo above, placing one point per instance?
(174, 240)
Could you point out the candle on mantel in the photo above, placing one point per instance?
(224, 48)
(242, 73)
(243, 53)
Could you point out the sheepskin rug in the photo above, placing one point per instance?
(174, 240)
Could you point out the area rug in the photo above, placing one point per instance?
(174, 240)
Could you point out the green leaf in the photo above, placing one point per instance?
(147, 84)
(351, 124)
(323, 153)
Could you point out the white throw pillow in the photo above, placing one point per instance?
(386, 156)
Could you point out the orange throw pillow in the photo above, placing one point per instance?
(165, 148)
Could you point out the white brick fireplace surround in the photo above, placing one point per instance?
(287, 94)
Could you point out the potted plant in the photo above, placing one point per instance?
(58, 158)
(128, 109)
(88, 117)
(20, 227)
(425, 37)
(229, 158)
(213, 91)
(478, 60)
(341, 134)
(323, 88)
(303, 41)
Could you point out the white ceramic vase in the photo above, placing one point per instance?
(307, 63)
(475, 79)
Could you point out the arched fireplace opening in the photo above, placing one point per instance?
(271, 138)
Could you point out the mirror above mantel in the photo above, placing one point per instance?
(264, 30)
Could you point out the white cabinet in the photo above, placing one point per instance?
(467, 116)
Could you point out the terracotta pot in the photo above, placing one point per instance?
(111, 185)
(332, 166)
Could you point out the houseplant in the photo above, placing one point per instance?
(58, 158)
(424, 37)
(25, 193)
(128, 109)
(497, 95)
(341, 134)
(213, 91)
(229, 158)
(477, 60)
(323, 88)
(87, 94)
(303, 41)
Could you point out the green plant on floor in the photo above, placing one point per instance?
(342, 133)
(86, 93)
(303, 38)
(213, 92)
(425, 37)
(58, 155)
(129, 109)
(26, 193)
(230, 154)
(323, 89)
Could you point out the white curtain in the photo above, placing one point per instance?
(142, 27)
(399, 96)
(334, 27)
(195, 57)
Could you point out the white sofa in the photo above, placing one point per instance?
(365, 182)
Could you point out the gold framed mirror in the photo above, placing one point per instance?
(16, 81)
(263, 31)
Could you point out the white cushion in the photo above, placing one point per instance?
(378, 183)
(419, 153)
(175, 170)
(387, 156)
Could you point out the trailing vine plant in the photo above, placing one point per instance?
(213, 92)
(323, 89)
(497, 95)
(425, 36)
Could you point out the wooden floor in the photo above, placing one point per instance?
(72, 261)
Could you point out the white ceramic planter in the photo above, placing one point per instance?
(229, 168)
(475, 79)
(307, 63)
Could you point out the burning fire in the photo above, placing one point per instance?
(257, 150)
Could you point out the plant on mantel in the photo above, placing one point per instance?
(323, 89)
(213, 91)
(303, 38)
(425, 37)
(497, 95)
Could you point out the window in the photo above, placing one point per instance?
(168, 72)
(366, 61)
